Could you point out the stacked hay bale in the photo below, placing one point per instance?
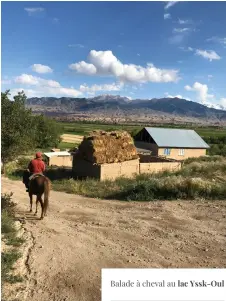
(107, 147)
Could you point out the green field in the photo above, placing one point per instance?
(85, 128)
(214, 136)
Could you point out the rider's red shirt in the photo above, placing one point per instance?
(36, 166)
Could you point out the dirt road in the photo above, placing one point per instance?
(81, 235)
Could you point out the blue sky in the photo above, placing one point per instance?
(134, 49)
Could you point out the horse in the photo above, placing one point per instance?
(38, 186)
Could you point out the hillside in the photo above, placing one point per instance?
(109, 104)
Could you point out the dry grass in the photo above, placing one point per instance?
(199, 178)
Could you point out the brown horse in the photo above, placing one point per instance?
(38, 186)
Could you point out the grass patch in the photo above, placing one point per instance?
(10, 238)
(199, 178)
(66, 145)
(8, 259)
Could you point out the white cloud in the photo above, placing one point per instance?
(223, 102)
(41, 68)
(96, 88)
(186, 49)
(208, 54)
(179, 34)
(76, 45)
(105, 63)
(167, 16)
(34, 10)
(177, 39)
(201, 91)
(5, 81)
(182, 22)
(181, 30)
(170, 4)
(46, 87)
(175, 96)
(215, 39)
(210, 76)
(83, 67)
(56, 20)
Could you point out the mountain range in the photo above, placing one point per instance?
(108, 103)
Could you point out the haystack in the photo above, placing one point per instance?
(107, 147)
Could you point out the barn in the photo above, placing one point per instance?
(178, 144)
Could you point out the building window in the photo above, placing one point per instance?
(181, 152)
(167, 151)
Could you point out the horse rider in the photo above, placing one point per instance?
(35, 167)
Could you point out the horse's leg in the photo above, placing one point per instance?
(36, 206)
(31, 202)
(42, 205)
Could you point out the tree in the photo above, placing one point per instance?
(21, 131)
(48, 132)
(17, 131)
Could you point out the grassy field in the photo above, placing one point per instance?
(214, 136)
(202, 177)
(84, 128)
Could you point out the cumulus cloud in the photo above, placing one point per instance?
(96, 88)
(223, 102)
(167, 16)
(208, 54)
(46, 87)
(41, 68)
(83, 67)
(201, 91)
(170, 4)
(105, 63)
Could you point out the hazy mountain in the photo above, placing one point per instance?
(174, 106)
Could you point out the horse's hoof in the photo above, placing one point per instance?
(35, 213)
(30, 210)
(41, 217)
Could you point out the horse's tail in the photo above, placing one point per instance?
(46, 194)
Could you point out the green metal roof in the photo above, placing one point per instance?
(176, 138)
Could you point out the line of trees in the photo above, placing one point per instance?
(21, 131)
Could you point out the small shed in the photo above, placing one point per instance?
(59, 159)
(178, 144)
(55, 150)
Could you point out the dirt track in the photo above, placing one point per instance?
(80, 236)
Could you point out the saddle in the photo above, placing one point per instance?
(36, 175)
